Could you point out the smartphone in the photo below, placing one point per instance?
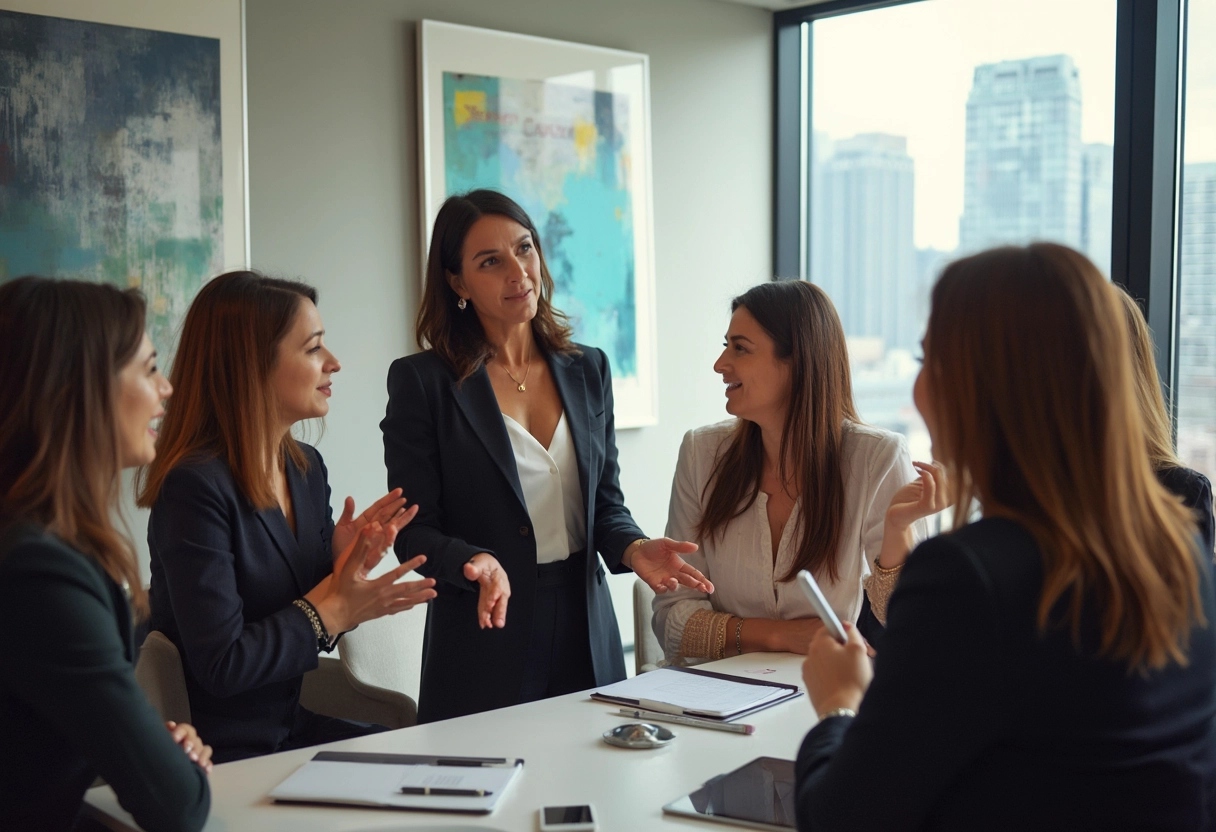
(567, 819)
(815, 595)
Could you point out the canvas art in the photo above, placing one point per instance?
(110, 159)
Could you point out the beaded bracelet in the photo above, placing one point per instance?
(324, 640)
(739, 637)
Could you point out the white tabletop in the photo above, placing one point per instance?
(567, 762)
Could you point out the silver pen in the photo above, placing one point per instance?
(655, 716)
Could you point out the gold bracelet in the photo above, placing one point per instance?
(739, 637)
(878, 567)
(720, 636)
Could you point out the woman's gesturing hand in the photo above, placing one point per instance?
(837, 675)
(920, 498)
(349, 597)
(658, 563)
(495, 589)
(388, 511)
(185, 736)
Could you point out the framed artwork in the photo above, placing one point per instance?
(564, 130)
(122, 151)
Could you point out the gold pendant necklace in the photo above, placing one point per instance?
(519, 384)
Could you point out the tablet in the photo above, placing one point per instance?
(760, 795)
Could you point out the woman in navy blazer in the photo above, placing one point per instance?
(251, 577)
(1051, 666)
(499, 352)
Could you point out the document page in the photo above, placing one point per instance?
(694, 693)
(376, 784)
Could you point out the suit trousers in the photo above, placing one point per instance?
(559, 654)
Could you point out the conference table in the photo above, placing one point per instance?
(566, 762)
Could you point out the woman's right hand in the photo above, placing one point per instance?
(495, 589)
(348, 597)
(918, 499)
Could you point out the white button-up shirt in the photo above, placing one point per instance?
(740, 561)
(552, 492)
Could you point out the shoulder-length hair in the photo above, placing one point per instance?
(221, 403)
(807, 334)
(1037, 419)
(456, 336)
(1147, 383)
(65, 342)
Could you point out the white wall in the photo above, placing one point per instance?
(334, 194)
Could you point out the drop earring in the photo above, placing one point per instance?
(461, 304)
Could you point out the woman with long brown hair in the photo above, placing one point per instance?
(1051, 665)
(1191, 486)
(82, 391)
(502, 430)
(251, 576)
(794, 481)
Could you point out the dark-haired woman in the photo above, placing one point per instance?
(251, 577)
(82, 390)
(793, 482)
(1052, 665)
(503, 432)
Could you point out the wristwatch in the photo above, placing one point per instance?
(837, 712)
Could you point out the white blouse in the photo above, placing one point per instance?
(552, 493)
(740, 562)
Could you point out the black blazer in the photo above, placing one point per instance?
(70, 708)
(446, 445)
(1196, 493)
(224, 576)
(975, 720)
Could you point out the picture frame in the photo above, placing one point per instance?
(564, 130)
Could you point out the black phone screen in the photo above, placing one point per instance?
(555, 815)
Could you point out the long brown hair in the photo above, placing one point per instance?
(1036, 418)
(457, 336)
(1157, 430)
(806, 333)
(221, 404)
(65, 342)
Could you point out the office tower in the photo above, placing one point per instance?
(864, 257)
(1197, 319)
(1023, 167)
(1097, 193)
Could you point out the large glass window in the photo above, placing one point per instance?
(1196, 378)
(940, 128)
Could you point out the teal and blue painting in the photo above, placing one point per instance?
(562, 152)
(110, 159)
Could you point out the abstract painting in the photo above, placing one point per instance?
(110, 159)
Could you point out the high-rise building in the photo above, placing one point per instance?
(1023, 154)
(1097, 195)
(862, 247)
(1197, 319)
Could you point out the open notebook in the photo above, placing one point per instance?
(356, 779)
(701, 693)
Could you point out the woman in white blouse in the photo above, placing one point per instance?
(794, 481)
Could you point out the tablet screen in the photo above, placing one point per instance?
(761, 792)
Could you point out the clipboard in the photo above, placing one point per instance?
(619, 694)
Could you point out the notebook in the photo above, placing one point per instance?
(695, 692)
(359, 779)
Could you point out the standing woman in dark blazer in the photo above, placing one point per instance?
(502, 431)
(251, 577)
(1053, 664)
(81, 391)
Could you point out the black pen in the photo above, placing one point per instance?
(498, 762)
(427, 790)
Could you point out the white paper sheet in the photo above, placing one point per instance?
(694, 693)
(379, 784)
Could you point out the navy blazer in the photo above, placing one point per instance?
(977, 720)
(224, 576)
(446, 446)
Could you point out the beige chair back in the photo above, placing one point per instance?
(647, 652)
(159, 672)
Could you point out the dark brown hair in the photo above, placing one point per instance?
(221, 404)
(806, 333)
(456, 336)
(65, 342)
(1036, 418)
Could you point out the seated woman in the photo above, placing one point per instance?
(1052, 665)
(794, 482)
(251, 577)
(1192, 486)
(81, 391)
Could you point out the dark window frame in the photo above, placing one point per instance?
(1149, 86)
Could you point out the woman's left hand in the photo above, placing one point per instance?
(388, 511)
(837, 675)
(658, 563)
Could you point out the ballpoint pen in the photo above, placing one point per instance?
(499, 762)
(427, 790)
(654, 716)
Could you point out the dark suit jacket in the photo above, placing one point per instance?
(224, 576)
(975, 720)
(1196, 493)
(70, 708)
(446, 445)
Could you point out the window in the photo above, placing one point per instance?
(1196, 321)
